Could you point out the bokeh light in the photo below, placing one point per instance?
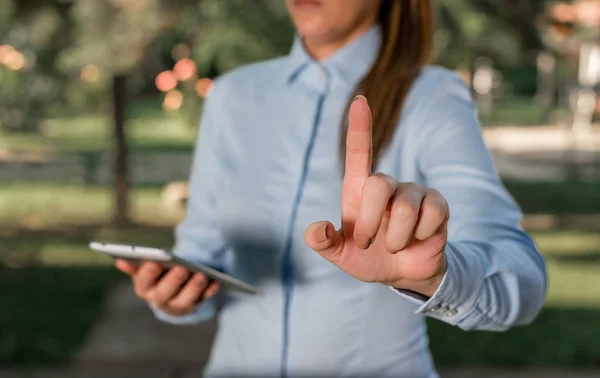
(185, 69)
(173, 101)
(4, 51)
(562, 12)
(203, 87)
(90, 73)
(15, 60)
(166, 81)
(588, 13)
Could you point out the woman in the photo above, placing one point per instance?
(269, 169)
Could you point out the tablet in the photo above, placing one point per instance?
(136, 253)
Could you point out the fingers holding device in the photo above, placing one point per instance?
(168, 282)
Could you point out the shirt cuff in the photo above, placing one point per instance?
(204, 312)
(454, 300)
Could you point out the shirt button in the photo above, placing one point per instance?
(436, 308)
(451, 312)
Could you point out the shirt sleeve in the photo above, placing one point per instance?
(495, 276)
(198, 237)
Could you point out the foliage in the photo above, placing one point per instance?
(30, 87)
(464, 32)
(110, 38)
(97, 39)
(507, 32)
(237, 31)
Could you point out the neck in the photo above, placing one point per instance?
(321, 48)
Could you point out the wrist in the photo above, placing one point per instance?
(426, 287)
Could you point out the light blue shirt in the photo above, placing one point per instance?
(267, 165)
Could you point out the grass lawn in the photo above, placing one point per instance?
(577, 197)
(46, 311)
(149, 130)
(54, 287)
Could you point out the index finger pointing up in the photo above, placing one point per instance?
(359, 141)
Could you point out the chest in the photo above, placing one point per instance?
(282, 167)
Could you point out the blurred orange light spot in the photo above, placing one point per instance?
(563, 12)
(90, 73)
(166, 81)
(4, 51)
(184, 69)
(173, 101)
(588, 13)
(15, 60)
(203, 87)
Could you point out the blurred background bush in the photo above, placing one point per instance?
(99, 102)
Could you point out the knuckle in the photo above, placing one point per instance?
(435, 211)
(180, 274)
(437, 197)
(404, 208)
(433, 192)
(379, 183)
(153, 269)
(198, 282)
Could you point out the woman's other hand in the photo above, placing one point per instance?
(176, 292)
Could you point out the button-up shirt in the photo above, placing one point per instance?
(267, 165)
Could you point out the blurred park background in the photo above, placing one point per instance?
(99, 102)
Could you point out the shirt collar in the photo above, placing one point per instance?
(350, 63)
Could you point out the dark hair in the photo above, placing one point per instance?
(406, 46)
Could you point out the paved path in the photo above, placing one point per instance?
(128, 331)
(543, 153)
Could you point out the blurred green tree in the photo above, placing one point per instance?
(508, 32)
(31, 34)
(236, 32)
(112, 46)
(112, 38)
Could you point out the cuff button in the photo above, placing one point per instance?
(451, 312)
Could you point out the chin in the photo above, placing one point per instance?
(315, 32)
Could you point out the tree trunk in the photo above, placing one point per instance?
(120, 153)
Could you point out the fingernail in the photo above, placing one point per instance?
(362, 98)
(323, 233)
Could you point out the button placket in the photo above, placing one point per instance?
(322, 76)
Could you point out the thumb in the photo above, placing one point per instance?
(324, 239)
